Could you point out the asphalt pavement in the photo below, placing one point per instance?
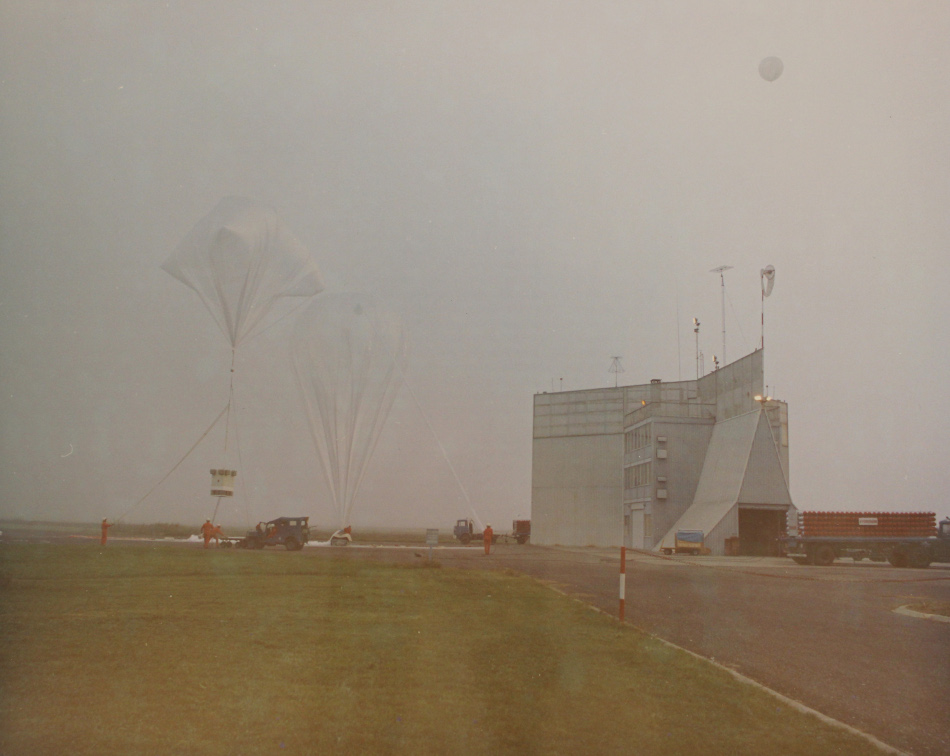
(827, 637)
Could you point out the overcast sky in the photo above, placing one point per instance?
(534, 187)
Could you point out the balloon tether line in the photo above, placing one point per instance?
(445, 456)
(227, 422)
(175, 467)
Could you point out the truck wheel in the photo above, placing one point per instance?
(800, 560)
(897, 558)
(824, 555)
(919, 558)
(291, 544)
(522, 540)
(465, 538)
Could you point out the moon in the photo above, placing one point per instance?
(771, 68)
(63, 456)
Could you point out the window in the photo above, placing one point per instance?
(638, 475)
(637, 438)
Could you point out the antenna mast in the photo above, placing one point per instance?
(721, 270)
(767, 275)
(696, 331)
(616, 368)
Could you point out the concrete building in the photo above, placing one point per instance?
(634, 464)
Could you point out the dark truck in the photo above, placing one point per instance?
(910, 539)
(290, 532)
(464, 531)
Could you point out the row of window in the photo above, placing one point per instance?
(638, 475)
(637, 438)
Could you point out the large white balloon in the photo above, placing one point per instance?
(242, 261)
(771, 68)
(349, 359)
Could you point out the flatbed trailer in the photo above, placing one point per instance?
(899, 550)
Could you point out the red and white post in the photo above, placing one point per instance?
(623, 578)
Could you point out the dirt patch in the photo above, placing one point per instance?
(931, 607)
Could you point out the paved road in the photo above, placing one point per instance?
(825, 636)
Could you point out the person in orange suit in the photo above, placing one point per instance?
(487, 535)
(105, 530)
(217, 534)
(207, 530)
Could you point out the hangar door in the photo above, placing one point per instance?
(760, 530)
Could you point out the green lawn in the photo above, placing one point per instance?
(174, 650)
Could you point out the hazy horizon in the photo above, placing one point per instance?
(533, 188)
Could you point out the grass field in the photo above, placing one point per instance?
(158, 530)
(173, 650)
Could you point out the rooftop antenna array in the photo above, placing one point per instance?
(616, 368)
(722, 279)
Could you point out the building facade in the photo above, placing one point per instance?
(632, 465)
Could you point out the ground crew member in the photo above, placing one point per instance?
(217, 534)
(207, 531)
(105, 530)
(487, 535)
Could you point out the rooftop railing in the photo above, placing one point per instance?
(688, 410)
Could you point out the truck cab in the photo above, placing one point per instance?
(464, 531)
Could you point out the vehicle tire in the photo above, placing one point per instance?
(918, 558)
(897, 558)
(291, 544)
(824, 555)
(801, 560)
(465, 538)
(668, 552)
(522, 540)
